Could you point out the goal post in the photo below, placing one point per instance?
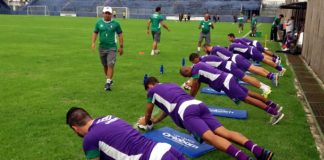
(37, 10)
(120, 11)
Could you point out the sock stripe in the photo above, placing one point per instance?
(236, 154)
(253, 147)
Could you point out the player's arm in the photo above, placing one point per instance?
(148, 26)
(94, 38)
(121, 43)
(148, 113)
(164, 25)
(159, 118)
(212, 25)
(195, 87)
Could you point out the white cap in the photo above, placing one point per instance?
(107, 9)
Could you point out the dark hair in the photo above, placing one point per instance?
(231, 35)
(77, 117)
(292, 17)
(206, 45)
(281, 15)
(157, 9)
(193, 56)
(150, 80)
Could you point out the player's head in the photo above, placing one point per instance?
(150, 82)
(158, 9)
(253, 15)
(231, 37)
(292, 18)
(185, 71)
(206, 16)
(107, 13)
(77, 118)
(194, 58)
(281, 16)
(207, 48)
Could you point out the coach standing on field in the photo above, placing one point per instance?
(107, 29)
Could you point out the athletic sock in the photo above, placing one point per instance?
(234, 152)
(279, 68)
(270, 76)
(274, 59)
(254, 148)
(270, 110)
(271, 104)
(198, 49)
(108, 80)
(274, 56)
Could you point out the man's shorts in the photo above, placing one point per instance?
(258, 45)
(234, 90)
(241, 25)
(197, 119)
(256, 55)
(237, 72)
(205, 36)
(173, 154)
(253, 28)
(241, 62)
(156, 36)
(107, 56)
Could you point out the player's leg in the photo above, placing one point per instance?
(265, 73)
(207, 38)
(111, 60)
(199, 122)
(199, 41)
(243, 141)
(266, 90)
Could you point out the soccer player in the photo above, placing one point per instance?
(248, 42)
(230, 67)
(222, 81)
(275, 26)
(205, 26)
(241, 62)
(241, 23)
(253, 25)
(107, 28)
(194, 116)
(253, 53)
(110, 137)
(155, 22)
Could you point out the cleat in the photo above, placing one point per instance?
(282, 72)
(266, 155)
(275, 119)
(274, 80)
(266, 93)
(108, 86)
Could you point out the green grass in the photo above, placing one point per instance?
(47, 66)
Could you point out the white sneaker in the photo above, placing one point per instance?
(282, 72)
(275, 119)
(266, 93)
(152, 53)
(157, 51)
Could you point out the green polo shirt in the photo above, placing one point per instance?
(107, 33)
(156, 18)
(253, 21)
(205, 26)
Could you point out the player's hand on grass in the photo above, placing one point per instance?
(141, 124)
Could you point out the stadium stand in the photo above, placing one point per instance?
(4, 8)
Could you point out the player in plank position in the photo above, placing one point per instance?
(110, 137)
(222, 81)
(253, 53)
(230, 67)
(240, 61)
(193, 115)
(248, 42)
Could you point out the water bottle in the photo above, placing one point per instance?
(183, 62)
(161, 69)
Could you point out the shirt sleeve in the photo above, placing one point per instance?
(150, 96)
(118, 29)
(194, 72)
(96, 29)
(91, 148)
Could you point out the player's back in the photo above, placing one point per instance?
(221, 52)
(156, 18)
(114, 136)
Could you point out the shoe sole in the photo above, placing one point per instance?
(279, 119)
(266, 95)
(282, 73)
(270, 156)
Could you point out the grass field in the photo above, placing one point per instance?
(47, 66)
